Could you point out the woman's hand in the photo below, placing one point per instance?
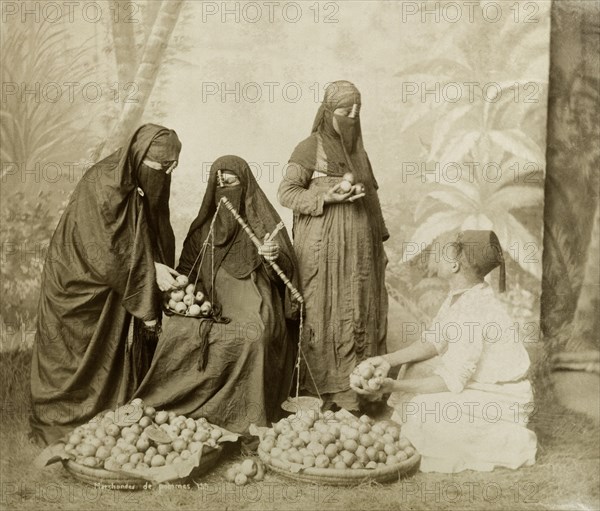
(164, 277)
(269, 250)
(334, 195)
(387, 387)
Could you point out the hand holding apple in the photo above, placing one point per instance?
(336, 195)
(164, 277)
(368, 377)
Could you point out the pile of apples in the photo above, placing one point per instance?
(368, 377)
(186, 300)
(336, 440)
(347, 184)
(150, 439)
(244, 472)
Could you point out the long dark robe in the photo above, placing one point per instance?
(246, 372)
(340, 252)
(99, 273)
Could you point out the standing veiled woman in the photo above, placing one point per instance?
(113, 245)
(338, 238)
(239, 372)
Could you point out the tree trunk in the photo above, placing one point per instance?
(149, 13)
(145, 77)
(586, 334)
(124, 42)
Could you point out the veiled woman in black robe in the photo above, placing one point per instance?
(235, 373)
(99, 273)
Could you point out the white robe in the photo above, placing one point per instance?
(481, 423)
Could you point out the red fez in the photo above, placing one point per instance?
(483, 252)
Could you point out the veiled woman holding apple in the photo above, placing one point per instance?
(235, 367)
(112, 251)
(338, 237)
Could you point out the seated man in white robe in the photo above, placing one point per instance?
(465, 405)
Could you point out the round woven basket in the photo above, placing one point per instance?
(118, 481)
(340, 477)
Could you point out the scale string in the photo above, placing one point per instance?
(295, 293)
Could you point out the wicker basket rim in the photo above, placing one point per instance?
(107, 475)
(347, 474)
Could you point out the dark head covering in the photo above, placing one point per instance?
(333, 154)
(121, 223)
(118, 184)
(483, 252)
(233, 249)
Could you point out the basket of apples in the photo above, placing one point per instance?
(135, 445)
(336, 448)
(187, 300)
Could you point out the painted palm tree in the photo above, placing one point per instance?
(147, 72)
(471, 195)
(487, 147)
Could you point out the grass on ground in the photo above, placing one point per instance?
(565, 476)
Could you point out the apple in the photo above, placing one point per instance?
(142, 444)
(110, 441)
(355, 380)
(194, 310)
(366, 370)
(359, 188)
(230, 474)
(260, 471)
(161, 417)
(199, 296)
(248, 468)
(102, 452)
(75, 439)
(201, 436)
(179, 445)
(348, 176)
(150, 412)
(171, 304)
(190, 289)
(241, 479)
(188, 300)
(321, 461)
(380, 372)
(158, 460)
(374, 383)
(182, 280)
(345, 186)
(90, 461)
(180, 307)
(136, 458)
(206, 308)
(177, 295)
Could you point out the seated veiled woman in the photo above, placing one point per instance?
(234, 373)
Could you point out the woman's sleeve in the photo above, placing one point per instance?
(294, 193)
(188, 262)
(459, 363)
